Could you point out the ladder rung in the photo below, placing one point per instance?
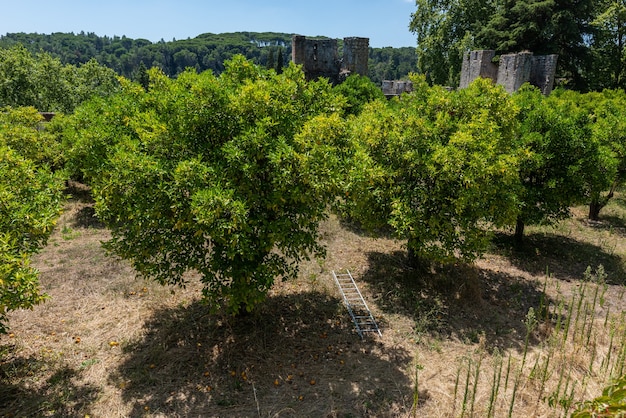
(362, 318)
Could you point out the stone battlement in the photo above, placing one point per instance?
(512, 71)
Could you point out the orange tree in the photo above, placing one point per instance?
(227, 176)
(562, 157)
(605, 168)
(437, 167)
(30, 196)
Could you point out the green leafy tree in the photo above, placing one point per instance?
(30, 197)
(45, 83)
(445, 30)
(559, 154)
(606, 170)
(609, 129)
(609, 45)
(358, 90)
(280, 61)
(271, 60)
(227, 176)
(438, 168)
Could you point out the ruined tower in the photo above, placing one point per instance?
(478, 64)
(320, 57)
(356, 55)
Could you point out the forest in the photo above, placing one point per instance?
(208, 51)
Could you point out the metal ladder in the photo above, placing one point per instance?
(353, 299)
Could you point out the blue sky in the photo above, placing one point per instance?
(385, 22)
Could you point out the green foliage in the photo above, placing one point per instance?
(437, 167)
(227, 176)
(30, 197)
(23, 130)
(606, 169)
(445, 30)
(609, 69)
(559, 154)
(543, 27)
(358, 91)
(96, 127)
(587, 35)
(43, 82)
(612, 403)
(204, 52)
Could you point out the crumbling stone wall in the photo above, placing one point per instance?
(512, 71)
(542, 72)
(393, 88)
(478, 64)
(356, 55)
(320, 57)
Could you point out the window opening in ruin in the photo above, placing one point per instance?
(315, 52)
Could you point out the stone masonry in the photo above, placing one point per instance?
(512, 71)
(392, 88)
(320, 58)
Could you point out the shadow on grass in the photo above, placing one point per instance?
(558, 255)
(78, 191)
(612, 223)
(85, 216)
(59, 395)
(296, 356)
(456, 301)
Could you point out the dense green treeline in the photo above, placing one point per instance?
(204, 52)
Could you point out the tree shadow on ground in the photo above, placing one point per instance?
(296, 356)
(612, 223)
(85, 216)
(455, 301)
(562, 257)
(22, 393)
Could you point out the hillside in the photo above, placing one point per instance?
(205, 52)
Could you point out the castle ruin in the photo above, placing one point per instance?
(320, 57)
(512, 71)
(394, 88)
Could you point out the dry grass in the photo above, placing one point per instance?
(108, 344)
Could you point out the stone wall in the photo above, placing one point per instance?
(512, 71)
(478, 64)
(393, 88)
(543, 71)
(320, 57)
(356, 55)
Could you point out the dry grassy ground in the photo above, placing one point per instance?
(107, 344)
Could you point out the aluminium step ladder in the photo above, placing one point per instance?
(357, 308)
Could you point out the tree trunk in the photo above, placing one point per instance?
(519, 231)
(594, 209)
(412, 257)
(597, 203)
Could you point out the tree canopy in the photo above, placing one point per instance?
(30, 201)
(41, 81)
(226, 176)
(436, 167)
